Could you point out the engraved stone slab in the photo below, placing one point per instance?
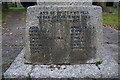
(64, 2)
(63, 34)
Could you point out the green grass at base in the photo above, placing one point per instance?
(0, 16)
(16, 8)
(111, 19)
(115, 10)
(5, 12)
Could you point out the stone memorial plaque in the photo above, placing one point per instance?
(62, 34)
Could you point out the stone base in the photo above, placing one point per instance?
(108, 69)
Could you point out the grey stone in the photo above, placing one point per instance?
(18, 69)
(0, 42)
(109, 67)
(119, 70)
(112, 50)
(54, 50)
(64, 2)
(110, 35)
(111, 45)
(71, 71)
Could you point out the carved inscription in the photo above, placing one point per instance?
(61, 33)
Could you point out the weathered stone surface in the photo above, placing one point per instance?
(110, 36)
(71, 71)
(0, 41)
(64, 2)
(118, 71)
(18, 69)
(69, 40)
(109, 67)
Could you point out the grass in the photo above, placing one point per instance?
(111, 18)
(16, 8)
(115, 10)
(10, 61)
(98, 63)
(0, 17)
(5, 12)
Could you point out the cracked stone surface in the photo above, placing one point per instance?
(108, 69)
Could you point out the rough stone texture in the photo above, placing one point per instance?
(0, 41)
(119, 71)
(64, 2)
(111, 42)
(108, 69)
(110, 36)
(71, 71)
(60, 50)
(0, 48)
(112, 50)
(18, 69)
